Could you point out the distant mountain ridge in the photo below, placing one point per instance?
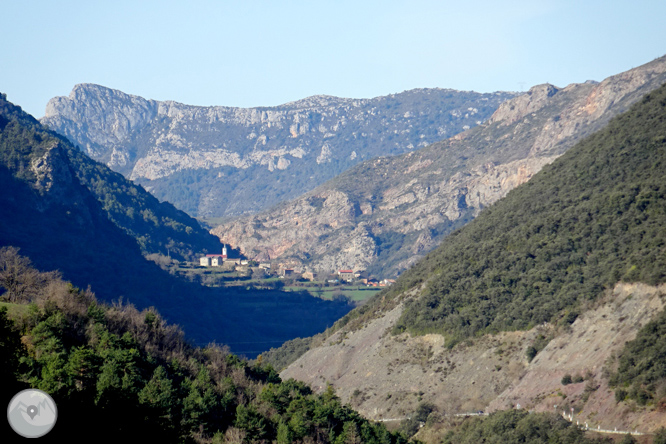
(225, 161)
(384, 214)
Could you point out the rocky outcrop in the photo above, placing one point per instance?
(53, 172)
(535, 99)
(99, 119)
(406, 204)
(222, 161)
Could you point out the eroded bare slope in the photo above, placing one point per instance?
(386, 377)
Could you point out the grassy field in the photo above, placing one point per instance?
(356, 293)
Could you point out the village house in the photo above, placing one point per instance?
(218, 260)
(346, 275)
(386, 282)
(214, 260)
(205, 261)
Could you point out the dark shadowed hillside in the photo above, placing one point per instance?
(50, 161)
(71, 214)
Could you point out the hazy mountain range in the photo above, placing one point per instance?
(224, 161)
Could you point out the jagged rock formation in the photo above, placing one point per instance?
(224, 161)
(386, 213)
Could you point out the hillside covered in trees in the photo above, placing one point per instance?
(553, 249)
(117, 373)
(592, 218)
(158, 227)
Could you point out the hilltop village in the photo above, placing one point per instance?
(267, 269)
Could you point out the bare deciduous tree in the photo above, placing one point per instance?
(19, 278)
(16, 273)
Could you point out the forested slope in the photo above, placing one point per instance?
(158, 227)
(590, 219)
(120, 374)
(550, 281)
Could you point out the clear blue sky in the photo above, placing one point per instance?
(262, 53)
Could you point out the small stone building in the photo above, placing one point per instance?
(346, 275)
(205, 261)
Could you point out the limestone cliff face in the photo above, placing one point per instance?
(329, 229)
(386, 213)
(515, 110)
(222, 161)
(100, 127)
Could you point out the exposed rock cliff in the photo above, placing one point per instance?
(384, 214)
(221, 161)
(53, 176)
